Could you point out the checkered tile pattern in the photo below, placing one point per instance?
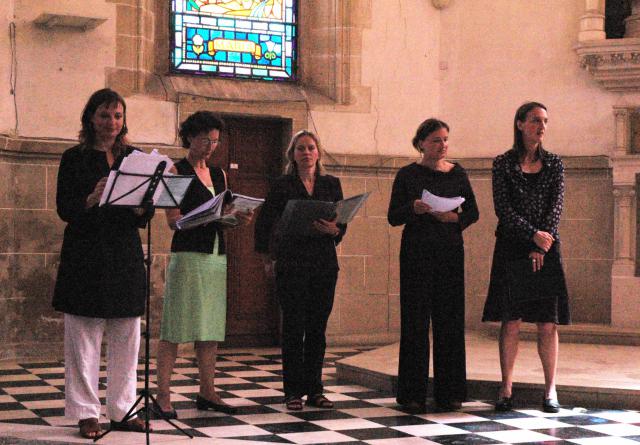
(33, 393)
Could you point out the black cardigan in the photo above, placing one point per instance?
(304, 251)
(408, 185)
(201, 238)
(101, 272)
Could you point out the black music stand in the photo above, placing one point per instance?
(115, 196)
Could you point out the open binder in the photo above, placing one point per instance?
(211, 211)
(299, 214)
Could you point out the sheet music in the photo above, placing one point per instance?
(440, 204)
(141, 163)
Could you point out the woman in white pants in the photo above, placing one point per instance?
(100, 286)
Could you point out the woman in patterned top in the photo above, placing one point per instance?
(528, 191)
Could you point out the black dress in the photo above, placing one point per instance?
(431, 284)
(101, 272)
(306, 275)
(525, 204)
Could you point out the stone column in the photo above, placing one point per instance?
(624, 230)
(632, 23)
(592, 22)
(621, 116)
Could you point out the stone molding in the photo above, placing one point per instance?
(613, 63)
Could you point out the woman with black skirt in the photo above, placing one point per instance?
(528, 191)
(432, 272)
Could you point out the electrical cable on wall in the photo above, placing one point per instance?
(13, 76)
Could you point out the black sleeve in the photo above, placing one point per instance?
(469, 213)
(268, 216)
(72, 192)
(339, 197)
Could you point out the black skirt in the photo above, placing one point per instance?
(505, 303)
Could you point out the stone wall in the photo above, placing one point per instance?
(367, 297)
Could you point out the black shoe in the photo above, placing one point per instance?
(504, 404)
(412, 407)
(448, 406)
(551, 406)
(159, 413)
(203, 404)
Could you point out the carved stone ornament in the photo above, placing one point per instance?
(614, 63)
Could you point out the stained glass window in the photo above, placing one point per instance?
(253, 39)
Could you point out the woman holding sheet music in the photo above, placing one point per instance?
(100, 286)
(527, 281)
(195, 299)
(306, 269)
(431, 271)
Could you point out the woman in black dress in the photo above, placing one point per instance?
(101, 278)
(306, 269)
(431, 272)
(528, 191)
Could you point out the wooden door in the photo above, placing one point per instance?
(250, 152)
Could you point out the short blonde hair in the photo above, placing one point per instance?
(291, 167)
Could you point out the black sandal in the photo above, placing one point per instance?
(135, 425)
(319, 401)
(293, 403)
(89, 428)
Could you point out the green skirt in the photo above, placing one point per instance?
(195, 298)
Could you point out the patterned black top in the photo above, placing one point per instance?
(526, 206)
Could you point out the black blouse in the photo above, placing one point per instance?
(201, 238)
(303, 251)
(526, 205)
(101, 272)
(408, 185)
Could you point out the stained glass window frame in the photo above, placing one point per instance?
(234, 46)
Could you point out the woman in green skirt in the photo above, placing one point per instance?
(195, 299)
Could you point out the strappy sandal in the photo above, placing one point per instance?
(319, 401)
(89, 428)
(293, 403)
(136, 425)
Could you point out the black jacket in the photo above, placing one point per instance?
(306, 251)
(101, 272)
(201, 238)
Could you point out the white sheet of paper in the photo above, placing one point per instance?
(440, 204)
(140, 163)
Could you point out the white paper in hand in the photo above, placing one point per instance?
(440, 204)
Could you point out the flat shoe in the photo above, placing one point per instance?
(293, 403)
(551, 406)
(159, 413)
(413, 407)
(89, 428)
(504, 404)
(448, 406)
(136, 425)
(203, 405)
(319, 401)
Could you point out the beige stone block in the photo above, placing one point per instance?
(586, 239)
(360, 13)
(127, 52)
(376, 277)
(358, 316)
(7, 231)
(579, 199)
(38, 231)
(366, 236)
(352, 186)
(52, 186)
(122, 80)
(589, 285)
(333, 325)
(23, 186)
(351, 276)
(378, 202)
(126, 20)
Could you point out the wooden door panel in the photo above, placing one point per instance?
(251, 153)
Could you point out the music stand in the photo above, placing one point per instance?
(126, 194)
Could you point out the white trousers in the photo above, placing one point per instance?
(82, 342)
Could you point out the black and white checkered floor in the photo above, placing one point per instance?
(32, 394)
